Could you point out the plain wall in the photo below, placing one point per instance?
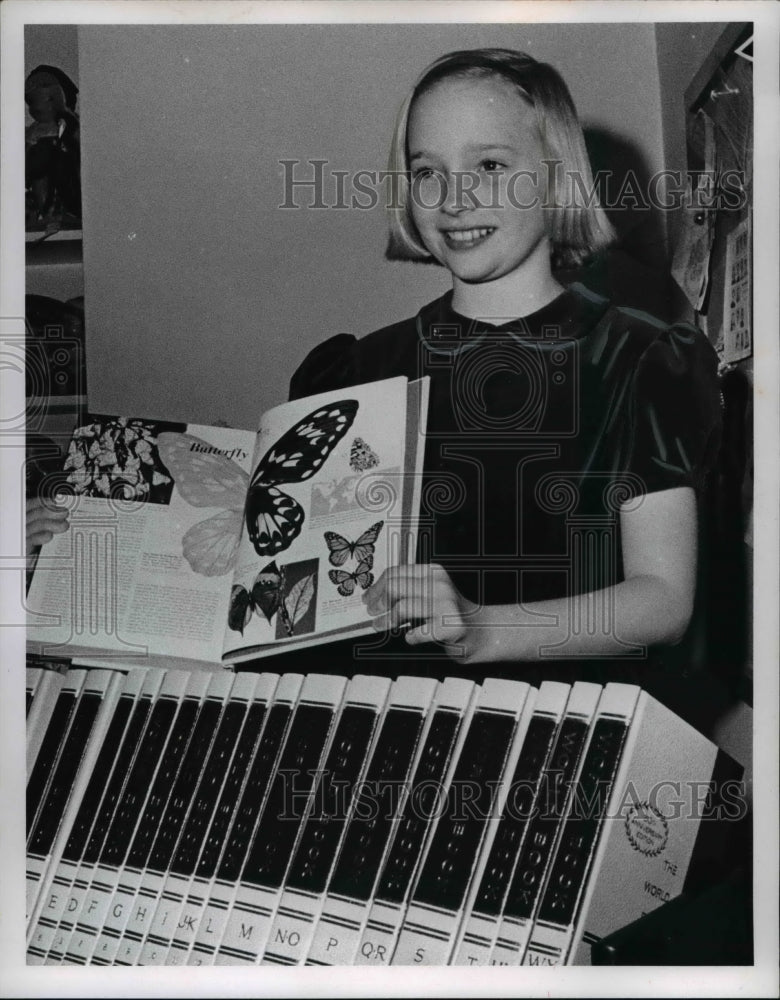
(202, 295)
(52, 45)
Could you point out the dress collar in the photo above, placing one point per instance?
(570, 316)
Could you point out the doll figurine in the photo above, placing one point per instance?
(52, 149)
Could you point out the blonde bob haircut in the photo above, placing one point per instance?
(577, 224)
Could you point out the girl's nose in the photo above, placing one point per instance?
(454, 199)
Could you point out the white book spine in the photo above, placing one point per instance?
(128, 903)
(32, 680)
(337, 934)
(141, 896)
(343, 918)
(250, 926)
(479, 928)
(236, 774)
(386, 915)
(106, 877)
(538, 848)
(41, 776)
(107, 687)
(653, 821)
(293, 930)
(135, 899)
(222, 894)
(238, 692)
(150, 685)
(430, 926)
(46, 693)
(569, 868)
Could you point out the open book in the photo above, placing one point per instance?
(212, 545)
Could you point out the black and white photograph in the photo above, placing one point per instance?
(389, 447)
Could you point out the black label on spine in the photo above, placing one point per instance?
(447, 869)
(137, 787)
(518, 812)
(249, 762)
(60, 787)
(205, 799)
(276, 832)
(553, 797)
(376, 805)
(110, 800)
(48, 753)
(421, 807)
(589, 804)
(332, 798)
(108, 758)
(183, 790)
(175, 749)
(253, 794)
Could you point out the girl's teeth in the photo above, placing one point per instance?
(467, 235)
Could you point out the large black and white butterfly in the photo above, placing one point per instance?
(341, 549)
(346, 582)
(273, 519)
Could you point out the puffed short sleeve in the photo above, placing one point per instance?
(331, 365)
(676, 411)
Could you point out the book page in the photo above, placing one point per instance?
(325, 514)
(146, 564)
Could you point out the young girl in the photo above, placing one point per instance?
(566, 438)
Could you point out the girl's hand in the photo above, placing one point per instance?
(43, 522)
(425, 596)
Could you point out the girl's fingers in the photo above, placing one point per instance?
(48, 524)
(428, 632)
(401, 613)
(416, 636)
(37, 505)
(38, 538)
(419, 583)
(381, 623)
(41, 528)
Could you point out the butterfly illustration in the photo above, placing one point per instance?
(206, 479)
(361, 549)
(273, 519)
(361, 456)
(266, 595)
(346, 582)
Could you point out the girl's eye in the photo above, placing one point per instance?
(491, 166)
(422, 173)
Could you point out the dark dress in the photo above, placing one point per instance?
(538, 430)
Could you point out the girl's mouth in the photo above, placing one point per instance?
(465, 239)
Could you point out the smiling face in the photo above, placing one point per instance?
(473, 142)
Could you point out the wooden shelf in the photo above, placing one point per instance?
(50, 251)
